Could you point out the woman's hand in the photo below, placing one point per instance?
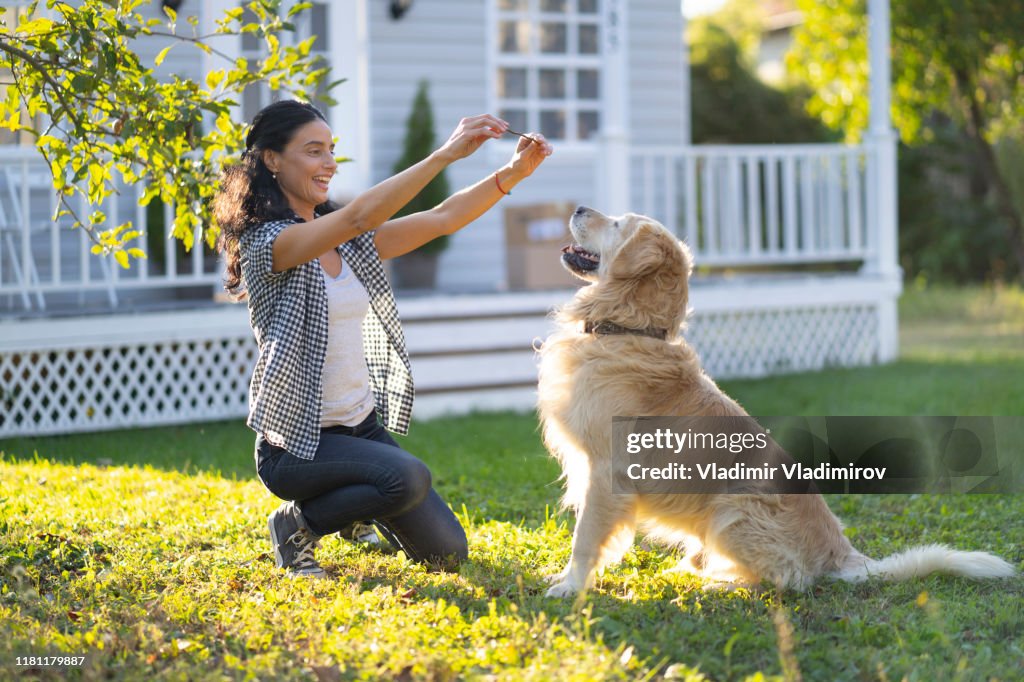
(530, 153)
(470, 134)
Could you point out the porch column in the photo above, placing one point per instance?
(881, 139)
(348, 25)
(613, 174)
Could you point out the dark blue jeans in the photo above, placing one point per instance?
(361, 473)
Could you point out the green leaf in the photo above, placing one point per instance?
(81, 82)
(36, 26)
(302, 6)
(214, 78)
(163, 53)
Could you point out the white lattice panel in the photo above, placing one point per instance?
(88, 374)
(160, 382)
(754, 343)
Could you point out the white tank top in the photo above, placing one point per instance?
(347, 397)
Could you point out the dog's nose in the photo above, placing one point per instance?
(580, 210)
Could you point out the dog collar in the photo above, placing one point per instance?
(604, 328)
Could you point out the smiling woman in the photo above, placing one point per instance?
(332, 372)
(304, 168)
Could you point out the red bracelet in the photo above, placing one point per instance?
(499, 185)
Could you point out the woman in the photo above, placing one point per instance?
(332, 370)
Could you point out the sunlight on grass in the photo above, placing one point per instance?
(146, 550)
(154, 568)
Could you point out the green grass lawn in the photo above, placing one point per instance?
(146, 551)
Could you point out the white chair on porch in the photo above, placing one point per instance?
(15, 241)
(18, 252)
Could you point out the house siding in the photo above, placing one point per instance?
(439, 41)
(444, 43)
(657, 73)
(447, 43)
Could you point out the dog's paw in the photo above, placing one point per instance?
(562, 589)
(556, 577)
(727, 586)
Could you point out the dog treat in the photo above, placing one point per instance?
(525, 137)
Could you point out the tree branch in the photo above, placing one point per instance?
(196, 41)
(42, 70)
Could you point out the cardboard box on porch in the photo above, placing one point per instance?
(534, 237)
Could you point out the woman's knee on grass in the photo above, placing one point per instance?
(409, 484)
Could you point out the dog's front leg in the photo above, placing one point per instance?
(604, 531)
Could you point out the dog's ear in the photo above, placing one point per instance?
(687, 257)
(649, 247)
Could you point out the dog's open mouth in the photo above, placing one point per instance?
(579, 259)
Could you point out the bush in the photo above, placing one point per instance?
(731, 105)
(949, 229)
(419, 143)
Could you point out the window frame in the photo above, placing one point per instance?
(533, 61)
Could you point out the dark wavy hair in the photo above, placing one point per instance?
(248, 194)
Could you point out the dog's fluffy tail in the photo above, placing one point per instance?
(920, 561)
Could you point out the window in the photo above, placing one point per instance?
(312, 21)
(11, 15)
(549, 67)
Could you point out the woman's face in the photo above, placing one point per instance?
(305, 167)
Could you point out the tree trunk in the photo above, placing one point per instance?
(992, 173)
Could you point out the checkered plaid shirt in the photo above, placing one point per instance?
(288, 313)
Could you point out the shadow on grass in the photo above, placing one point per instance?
(671, 621)
(834, 631)
(655, 617)
(459, 450)
(217, 448)
(481, 445)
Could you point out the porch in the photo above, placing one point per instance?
(795, 271)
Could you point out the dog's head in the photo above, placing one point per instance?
(638, 270)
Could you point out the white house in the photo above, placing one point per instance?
(795, 245)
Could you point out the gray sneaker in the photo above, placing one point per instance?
(293, 542)
(362, 532)
(365, 533)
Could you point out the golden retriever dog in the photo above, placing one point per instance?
(617, 352)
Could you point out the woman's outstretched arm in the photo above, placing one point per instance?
(302, 242)
(400, 236)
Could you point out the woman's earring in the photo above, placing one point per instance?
(274, 175)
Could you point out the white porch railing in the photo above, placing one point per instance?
(40, 257)
(761, 205)
(736, 206)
